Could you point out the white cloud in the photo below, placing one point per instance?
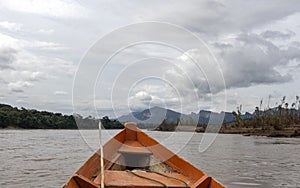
(156, 94)
(17, 54)
(53, 8)
(8, 41)
(46, 31)
(21, 101)
(60, 93)
(27, 66)
(196, 72)
(42, 45)
(16, 43)
(19, 86)
(28, 75)
(36, 76)
(141, 100)
(10, 26)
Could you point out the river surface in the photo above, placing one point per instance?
(47, 158)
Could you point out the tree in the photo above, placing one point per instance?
(33, 119)
(257, 116)
(237, 115)
(111, 124)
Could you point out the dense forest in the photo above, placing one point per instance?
(13, 117)
(33, 119)
(92, 123)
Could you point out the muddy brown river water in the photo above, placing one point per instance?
(47, 158)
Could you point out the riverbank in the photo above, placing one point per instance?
(286, 132)
(290, 131)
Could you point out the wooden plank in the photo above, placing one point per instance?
(108, 165)
(71, 184)
(202, 182)
(215, 184)
(90, 167)
(125, 178)
(134, 147)
(84, 182)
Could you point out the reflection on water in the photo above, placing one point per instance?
(47, 158)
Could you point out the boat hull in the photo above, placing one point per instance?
(134, 159)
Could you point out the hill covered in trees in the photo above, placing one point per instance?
(13, 117)
(33, 119)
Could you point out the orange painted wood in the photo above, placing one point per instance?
(84, 182)
(111, 162)
(91, 166)
(215, 183)
(202, 182)
(71, 184)
(112, 145)
(98, 179)
(107, 166)
(134, 147)
(124, 178)
(130, 131)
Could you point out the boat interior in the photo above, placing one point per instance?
(133, 159)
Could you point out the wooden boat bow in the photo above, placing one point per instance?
(133, 159)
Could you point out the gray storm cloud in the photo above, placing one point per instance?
(244, 60)
(7, 56)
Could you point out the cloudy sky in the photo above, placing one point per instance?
(245, 51)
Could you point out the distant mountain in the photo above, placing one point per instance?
(206, 117)
(153, 115)
(156, 115)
